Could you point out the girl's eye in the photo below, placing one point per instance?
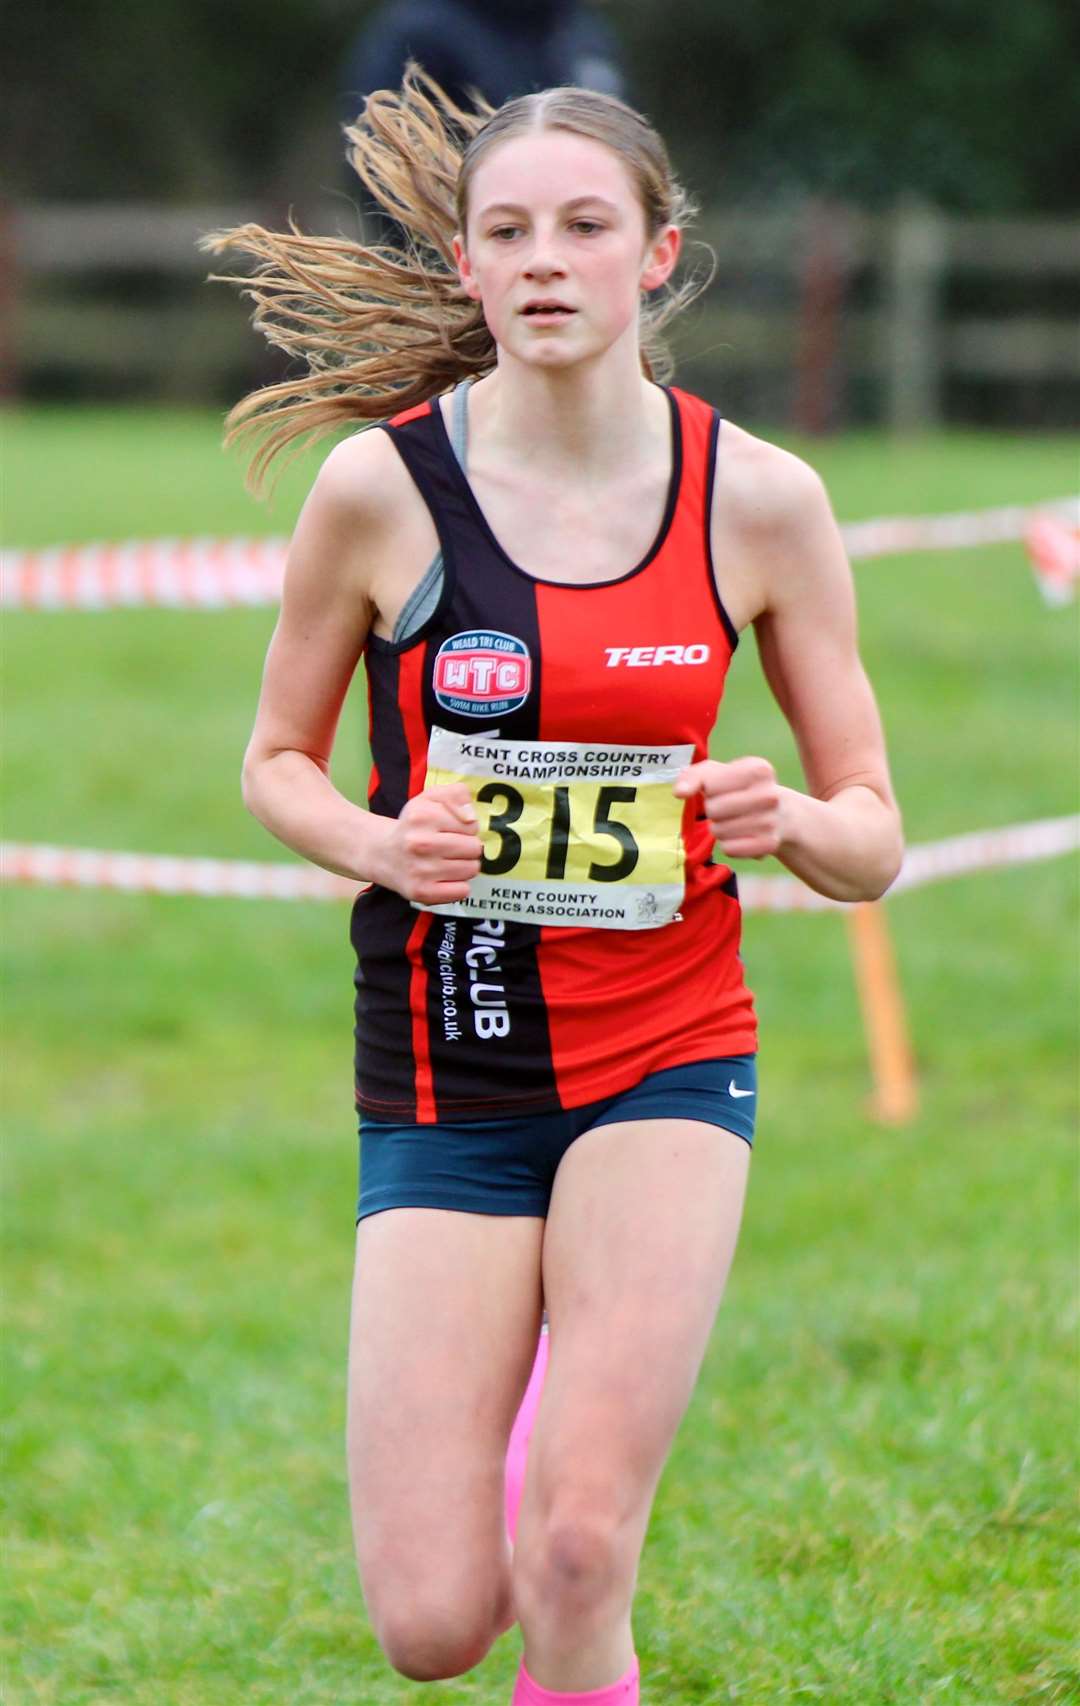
(586, 227)
(503, 233)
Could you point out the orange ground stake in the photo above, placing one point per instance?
(895, 1099)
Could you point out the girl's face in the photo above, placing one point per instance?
(556, 248)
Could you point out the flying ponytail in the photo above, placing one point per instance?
(387, 325)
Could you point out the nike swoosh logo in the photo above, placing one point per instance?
(733, 1090)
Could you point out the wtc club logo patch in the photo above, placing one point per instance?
(482, 673)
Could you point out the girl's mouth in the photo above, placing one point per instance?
(547, 310)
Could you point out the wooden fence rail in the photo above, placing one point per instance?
(808, 305)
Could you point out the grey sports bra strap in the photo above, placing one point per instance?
(459, 422)
(425, 596)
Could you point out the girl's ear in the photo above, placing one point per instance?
(661, 258)
(468, 282)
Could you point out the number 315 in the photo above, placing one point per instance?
(559, 836)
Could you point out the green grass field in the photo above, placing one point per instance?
(870, 1500)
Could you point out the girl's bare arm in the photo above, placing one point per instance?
(843, 836)
(347, 525)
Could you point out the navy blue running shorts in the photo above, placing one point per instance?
(507, 1166)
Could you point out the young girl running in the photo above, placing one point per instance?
(545, 559)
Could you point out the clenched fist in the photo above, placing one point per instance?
(742, 802)
(432, 850)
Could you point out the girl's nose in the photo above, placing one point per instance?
(544, 261)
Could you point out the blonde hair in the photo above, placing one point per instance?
(387, 325)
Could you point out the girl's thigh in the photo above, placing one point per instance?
(445, 1316)
(640, 1236)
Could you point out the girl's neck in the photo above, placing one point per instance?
(581, 422)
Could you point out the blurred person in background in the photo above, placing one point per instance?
(540, 544)
(494, 48)
(501, 48)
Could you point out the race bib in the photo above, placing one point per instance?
(582, 834)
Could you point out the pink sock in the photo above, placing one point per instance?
(517, 1451)
(621, 1693)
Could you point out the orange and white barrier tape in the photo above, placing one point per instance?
(186, 574)
(153, 873)
(894, 534)
(985, 850)
(149, 873)
(214, 574)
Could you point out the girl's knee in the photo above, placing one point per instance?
(432, 1642)
(579, 1558)
(435, 1625)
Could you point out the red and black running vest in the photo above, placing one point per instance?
(469, 1017)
